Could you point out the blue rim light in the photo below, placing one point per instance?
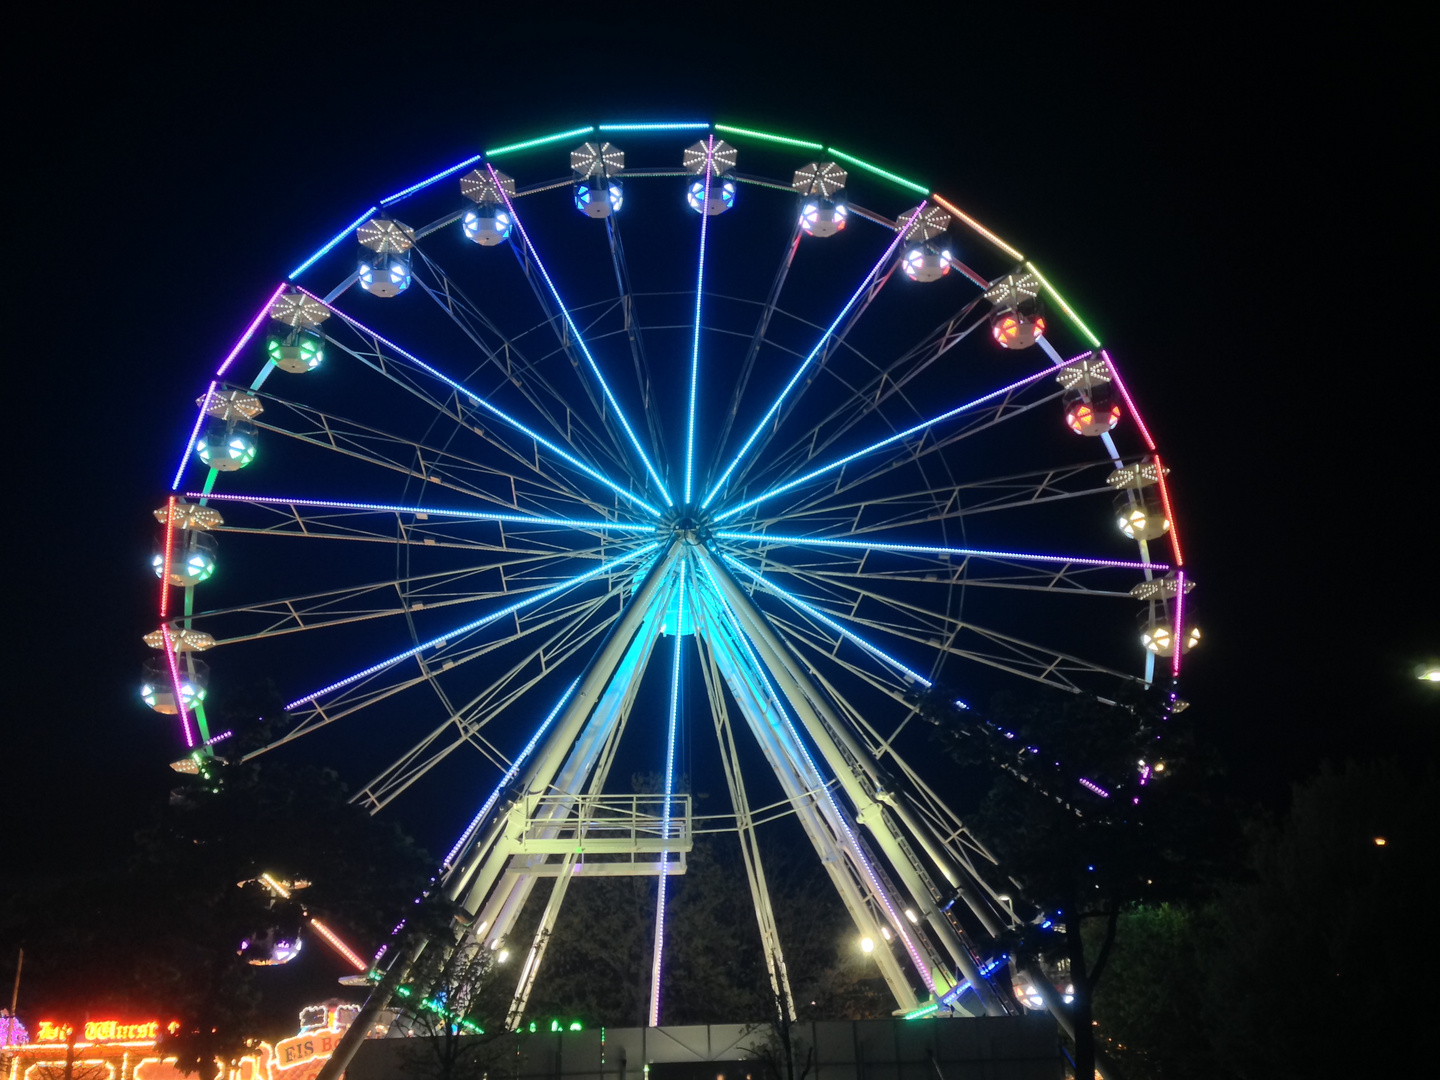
(333, 241)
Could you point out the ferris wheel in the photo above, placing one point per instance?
(808, 438)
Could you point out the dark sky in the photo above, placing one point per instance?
(1229, 203)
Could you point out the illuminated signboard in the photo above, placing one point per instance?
(103, 1031)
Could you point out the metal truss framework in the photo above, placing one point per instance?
(842, 545)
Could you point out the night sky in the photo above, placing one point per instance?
(1225, 205)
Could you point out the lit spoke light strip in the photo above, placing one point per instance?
(804, 364)
(180, 709)
(477, 624)
(482, 403)
(428, 181)
(883, 173)
(691, 125)
(580, 340)
(1179, 611)
(979, 228)
(194, 434)
(828, 621)
(926, 549)
(540, 141)
(695, 342)
(1090, 337)
(333, 241)
(474, 515)
(1129, 402)
(883, 443)
(824, 788)
(249, 331)
(769, 137)
(339, 946)
(165, 564)
(658, 951)
(506, 780)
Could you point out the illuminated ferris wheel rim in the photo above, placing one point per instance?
(649, 517)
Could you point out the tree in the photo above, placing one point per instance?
(458, 1017)
(1085, 813)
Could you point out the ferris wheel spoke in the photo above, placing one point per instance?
(510, 361)
(465, 726)
(374, 691)
(442, 640)
(465, 401)
(458, 586)
(569, 323)
(941, 631)
(999, 406)
(526, 485)
(769, 415)
(634, 335)
(757, 339)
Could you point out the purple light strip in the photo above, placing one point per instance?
(249, 331)
(896, 921)
(180, 709)
(695, 343)
(475, 515)
(218, 738)
(764, 420)
(925, 549)
(885, 442)
(1096, 788)
(332, 242)
(1179, 626)
(1129, 402)
(429, 180)
(828, 621)
(508, 778)
(194, 434)
(659, 949)
(580, 339)
(544, 594)
(474, 399)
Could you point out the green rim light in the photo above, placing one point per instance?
(769, 137)
(586, 130)
(1094, 341)
(884, 173)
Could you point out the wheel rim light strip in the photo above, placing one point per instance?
(428, 181)
(477, 515)
(1129, 402)
(1079, 324)
(527, 144)
(882, 173)
(695, 341)
(925, 549)
(180, 709)
(884, 443)
(659, 948)
(332, 242)
(1001, 244)
(477, 624)
(692, 125)
(475, 399)
(804, 365)
(1169, 513)
(752, 133)
(899, 924)
(817, 613)
(508, 778)
(1179, 626)
(580, 340)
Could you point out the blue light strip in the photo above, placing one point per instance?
(925, 549)
(507, 779)
(880, 654)
(885, 442)
(544, 594)
(805, 364)
(469, 515)
(856, 853)
(695, 125)
(333, 241)
(665, 813)
(474, 399)
(695, 342)
(194, 434)
(580, 340)
(429, 180)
